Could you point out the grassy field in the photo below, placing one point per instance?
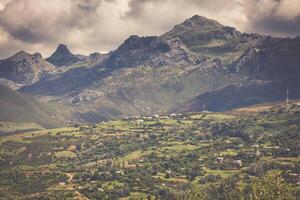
(6, 126)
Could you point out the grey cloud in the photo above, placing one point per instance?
(90, 5)
(136, 7)
(275, 17)
(39, 23)
(27, 34)
(30, 24)
(278, 26)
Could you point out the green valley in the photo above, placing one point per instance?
(222, 155)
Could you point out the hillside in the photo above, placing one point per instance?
(236, 96)
(17, 107)
(226, 156)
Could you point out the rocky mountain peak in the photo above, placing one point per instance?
(200, 30)
(199, 21)
(21, 55)
(62, 56)
(61, 51)
(210, 38)
(24, 68)
(195, 24)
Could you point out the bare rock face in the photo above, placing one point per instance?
(24, 68)
(63, 56)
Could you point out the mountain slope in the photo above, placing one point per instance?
(235, 96)
(24, 68)
(19, 107)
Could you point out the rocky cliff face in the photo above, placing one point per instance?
(24, 68)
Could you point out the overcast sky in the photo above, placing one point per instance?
(101, 25)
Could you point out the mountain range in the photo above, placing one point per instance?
(199, 64)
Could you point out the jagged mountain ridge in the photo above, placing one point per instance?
(24, 68)
(156, 74)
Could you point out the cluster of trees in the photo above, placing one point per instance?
(265, 188)
(32, 183)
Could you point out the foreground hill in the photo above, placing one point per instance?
(17, 107)
(215, 156)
